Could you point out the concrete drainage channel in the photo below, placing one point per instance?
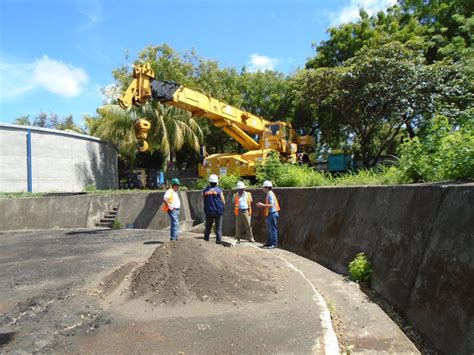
(93, 276)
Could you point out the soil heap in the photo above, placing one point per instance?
(194, 270)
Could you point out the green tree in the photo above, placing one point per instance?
(52, 121)
(369, 32)
(42, 120)
(116, 126)
(23, 120)
(91, 124)
(171, 129)
(67, 124)
(376, 96)
(449, 26)
(264, 94)
(442, 29)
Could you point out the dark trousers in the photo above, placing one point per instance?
(209, 221)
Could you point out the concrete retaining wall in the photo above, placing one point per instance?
(61, 161)
(142, 210)
(419, 240)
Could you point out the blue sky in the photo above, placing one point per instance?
(56, 55)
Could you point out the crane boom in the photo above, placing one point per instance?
(238, 124)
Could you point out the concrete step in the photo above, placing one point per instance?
(104, 225)
(109, 218)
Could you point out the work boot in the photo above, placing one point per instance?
(252, 240)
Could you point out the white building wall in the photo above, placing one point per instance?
(61, 161)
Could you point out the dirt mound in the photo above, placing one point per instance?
(112, 281)
(194, 270)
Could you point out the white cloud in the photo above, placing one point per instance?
(49, 74)
(59, 78)
(261, 63)
(93, 13)
(351, 12)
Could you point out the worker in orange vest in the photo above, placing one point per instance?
(272, 207)
(171, 205)
(243, 213)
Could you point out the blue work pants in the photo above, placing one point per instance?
(174, 217)
(272, 220)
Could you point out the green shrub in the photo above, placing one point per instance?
(225, 182)
(299, 175)
(228, 181)
(271, 169)
(117, 224)
(90, 188)
(445, 152)
(380, 175)
(414, 162)
(359, 269)
(200, 184)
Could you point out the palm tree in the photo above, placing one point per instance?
(171, 128)
(116, 125)
(91, 123)
(67, 124)
(23, 120)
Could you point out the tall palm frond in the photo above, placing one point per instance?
(172, 129)
(116, 125)
(91, 123)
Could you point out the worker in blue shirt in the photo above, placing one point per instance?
(271, 207)
(214, 202)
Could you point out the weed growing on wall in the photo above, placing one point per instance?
(117, 224)
(359, 269)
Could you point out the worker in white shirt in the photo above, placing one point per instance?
(171, 206)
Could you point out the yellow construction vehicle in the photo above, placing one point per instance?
(240, 125)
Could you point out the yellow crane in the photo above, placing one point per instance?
(238, 124)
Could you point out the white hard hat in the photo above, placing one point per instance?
(240, 185)
(267, 183)
(213, 178)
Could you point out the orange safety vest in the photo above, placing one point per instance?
(236, 202)
(277, 205)
(170, 201)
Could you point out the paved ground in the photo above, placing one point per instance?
(122, 291)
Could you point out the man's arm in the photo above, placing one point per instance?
(166, 200)
(266, 205)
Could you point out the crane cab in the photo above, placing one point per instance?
(279, 136)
